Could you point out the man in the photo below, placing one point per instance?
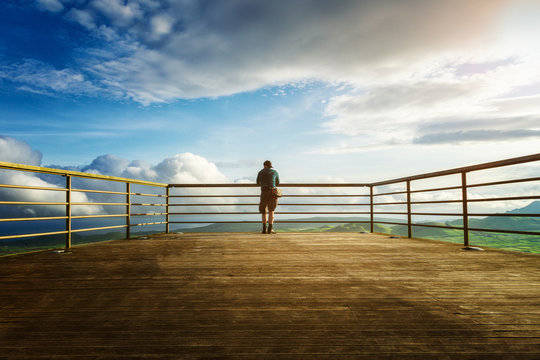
(267, 179)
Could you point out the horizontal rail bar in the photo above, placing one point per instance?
(33, 234)
(489, 165)
(26, 187)
(62, 217)
(504, 182)
(389, 223)
(318, 196)
(277, 213)
(389, 213)
(437, 189)
(34, 218)
(477, 214)
(505, 214)
(39, 169)
(100, 191)
(276, 221)
(507, 231)
(150, 223)
(98, 203)
(281, 204)
(392, 203)
(214, 196)
(437, 214)
(439, 226)
(142, 204)
(98, 228)
(437, 202)
(390, 193)
(224, 185)
(257, 196)
(506, 198)
(150, 195)
(97, 216)
(150, 214)
(32, 203)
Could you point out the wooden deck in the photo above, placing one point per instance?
(284, 296)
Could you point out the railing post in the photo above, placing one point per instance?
(371, 208)
(465, 209)
(68, 212)
(128, 210)
(409, 217)
(167, 228)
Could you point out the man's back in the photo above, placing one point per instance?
(268, 177)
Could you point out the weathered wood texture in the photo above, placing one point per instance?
(284, 296)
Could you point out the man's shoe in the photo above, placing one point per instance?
(271, 231)
(264, 231)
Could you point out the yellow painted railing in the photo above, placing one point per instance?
(396, 198)
(69, 204)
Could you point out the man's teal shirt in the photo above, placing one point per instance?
(268, 177)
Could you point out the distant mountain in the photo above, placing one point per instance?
(532, 208)
(507, 222)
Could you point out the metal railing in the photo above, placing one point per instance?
(464, 201)
(185, 204)
(124, 200)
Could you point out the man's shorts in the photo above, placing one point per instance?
(268, 201)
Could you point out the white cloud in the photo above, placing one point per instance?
(120, 13)
(226, 47)
(40, 77)
(189, 168)
(84, 18)
(463, 100)
(181, 168)
(16, 151)
(50, 5)
(160, 25)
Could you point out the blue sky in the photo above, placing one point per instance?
(330, 91)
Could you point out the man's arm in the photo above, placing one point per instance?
(277, 178)
(259, 178)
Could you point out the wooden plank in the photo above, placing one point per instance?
(283, 296)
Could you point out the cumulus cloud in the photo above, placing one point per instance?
(181, 168)
(178, 169)
(16, 151)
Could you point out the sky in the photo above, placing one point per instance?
(330, 91)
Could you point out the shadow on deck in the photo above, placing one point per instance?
(284, 296)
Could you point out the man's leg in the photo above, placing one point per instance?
(262, 209)
(271, 222)
(264, 222)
